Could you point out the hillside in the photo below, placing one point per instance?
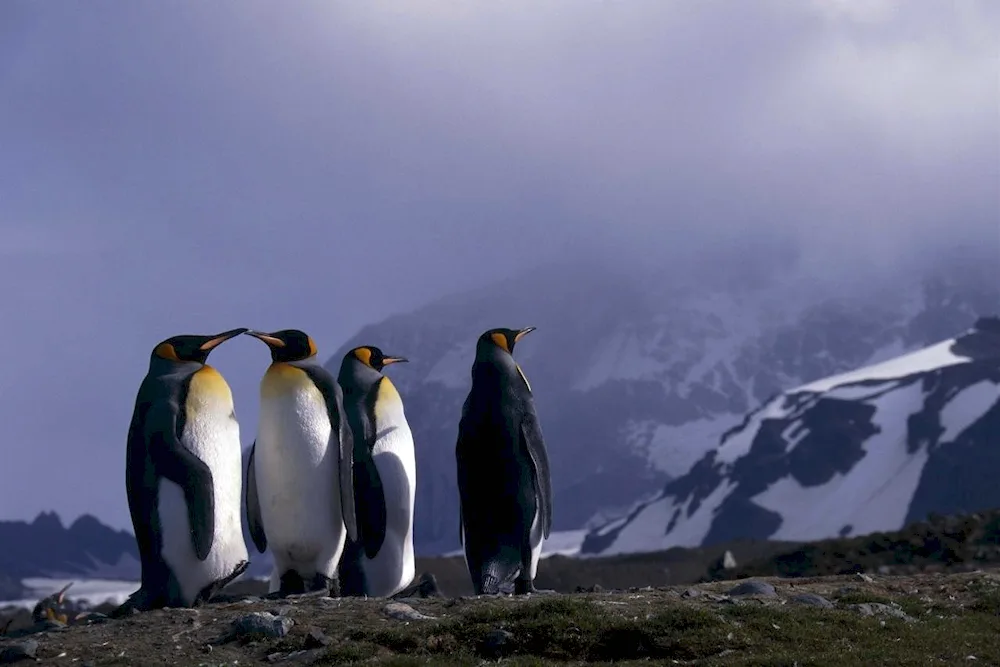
(636, 379)
(869, 450)
(957, 542)
(834, 621)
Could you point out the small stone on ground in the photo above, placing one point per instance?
(25, 650)
(404, 612)
(812, 600)
(753, 587)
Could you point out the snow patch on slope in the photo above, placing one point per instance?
(927, 359)
(560, 543)
(674, 449)
(966, 406)
(646, 530)
(880, 486)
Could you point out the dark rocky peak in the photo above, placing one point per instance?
(982, 341)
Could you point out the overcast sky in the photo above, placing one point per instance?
(180, 167)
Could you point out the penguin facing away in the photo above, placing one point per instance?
(183, 477)
(299, 489)
(504, 485)
(380, 563)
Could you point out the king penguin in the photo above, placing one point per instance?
(380, 563)
(505, 492)
(183, 477)
(299, 490)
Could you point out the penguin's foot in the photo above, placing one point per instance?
(425, 587)
(291, 583)
(209, 592)
(137, 602)
(331, 585)
(526, 586)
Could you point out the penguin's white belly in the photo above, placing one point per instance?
(392, 569)
(215, 439)
(297, 474)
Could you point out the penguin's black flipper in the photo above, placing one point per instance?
(353, 581)
(177, 463)
(334, 397)
(370, 498)
(531, 440)
(369, 492)
(254, 521)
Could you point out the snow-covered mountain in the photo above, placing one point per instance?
(636, 378)
(859, 452)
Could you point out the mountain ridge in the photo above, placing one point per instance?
(635, 379)
(45, 547)
(880, 446)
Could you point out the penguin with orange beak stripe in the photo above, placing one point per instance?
(299, 489)
(505, 492)
(183, 474)
(385, 477)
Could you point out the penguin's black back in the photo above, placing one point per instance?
(157, 395)
(498, 484)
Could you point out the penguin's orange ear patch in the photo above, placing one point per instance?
(313, 350)
(500, 340)
(166, 351)
(364, 355)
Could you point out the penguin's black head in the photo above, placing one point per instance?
(504, 339)
(191, 347)
(287, 345)
(374, 358)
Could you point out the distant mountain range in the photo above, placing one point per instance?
(636, 379)
(866, 451)
(86, 549)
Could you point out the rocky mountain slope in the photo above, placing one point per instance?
(84, 549)
(635, 379)
(865, 451)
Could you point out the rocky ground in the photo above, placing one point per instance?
(929, 618)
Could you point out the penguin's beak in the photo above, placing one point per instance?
(268, 339)
(221, 338)
(394, 360)
(62, 593)
(523, 332)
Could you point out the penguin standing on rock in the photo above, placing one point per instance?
(503, 471)
(381, 563)
(183, 477)
(299, 489)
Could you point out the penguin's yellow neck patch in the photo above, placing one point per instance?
(208, 385)
(388, 399)
(501, 341)
(282, 378)
(364, 355)
(166, 351)
(521, 373)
